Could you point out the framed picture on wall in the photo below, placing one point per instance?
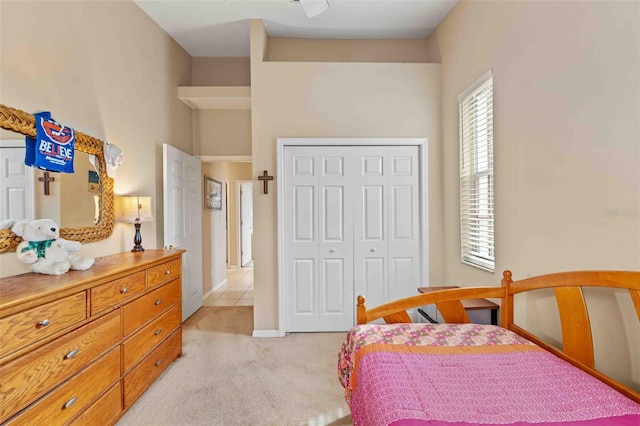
(212, 194)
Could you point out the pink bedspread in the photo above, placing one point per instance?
(468, 374)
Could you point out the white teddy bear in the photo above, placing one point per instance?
(44, 251)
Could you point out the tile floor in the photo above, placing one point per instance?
(238, 291)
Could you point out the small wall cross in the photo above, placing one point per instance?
(46, 179)
(265, 178)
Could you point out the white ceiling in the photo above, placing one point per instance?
(221, 27)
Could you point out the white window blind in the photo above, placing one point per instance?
(476, 174)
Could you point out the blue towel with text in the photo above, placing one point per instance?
(53, 147)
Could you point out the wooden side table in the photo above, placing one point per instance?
(470, 304)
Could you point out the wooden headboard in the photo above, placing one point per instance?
(577, 340)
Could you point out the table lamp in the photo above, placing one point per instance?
(136, 210)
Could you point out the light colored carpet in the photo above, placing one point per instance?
(227, 377)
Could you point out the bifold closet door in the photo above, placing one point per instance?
(351, 218)
(319, 240)
(387, 227)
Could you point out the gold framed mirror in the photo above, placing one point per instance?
(24, 123)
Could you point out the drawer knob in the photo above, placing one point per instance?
(43, 323)
(167, 272)
(124, 290)
(72, 354)
(71, 402)
(159, 301)
(158, 362)
(158, 331)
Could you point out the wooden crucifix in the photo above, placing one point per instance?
(46, 179)
(265, 178)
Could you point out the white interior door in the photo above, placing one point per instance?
(318, 241)
(371, 205)
(16, 185)
(403, 183)
(182, 205)
(246, 222)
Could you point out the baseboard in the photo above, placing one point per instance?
(267, 333)
(216, 287)
(220, 284)
(207, 294)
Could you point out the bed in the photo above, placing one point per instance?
(459, 374)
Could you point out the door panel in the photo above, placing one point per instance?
(373, 212)
(304, 204)
(374, 282)
(303, 286)
(403, 278)
(333, 286)
(401, 212)
(333, 204)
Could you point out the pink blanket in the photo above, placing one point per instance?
(464, 374)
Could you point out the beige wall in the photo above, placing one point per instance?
(281, 49)
(108, 71)
(304, 99)
(222, 71)
(566, 137)
(214, 233)
(222, 132)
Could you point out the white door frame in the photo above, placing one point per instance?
(421, 143)
(238, 220)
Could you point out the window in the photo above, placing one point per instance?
(476, 174)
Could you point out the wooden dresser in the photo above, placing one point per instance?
(80, 348)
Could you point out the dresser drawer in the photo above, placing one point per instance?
(105, 411)
(138, 312)
(29, 377)
(30, 326)
(142, 342)
(139, 379)
(163, 273)
(69, 399)
(115, 292)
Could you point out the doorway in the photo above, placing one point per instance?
(245, 222)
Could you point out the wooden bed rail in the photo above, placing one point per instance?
(447, 301)
(577, 339)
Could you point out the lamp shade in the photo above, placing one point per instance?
(135, 209)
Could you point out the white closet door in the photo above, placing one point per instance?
(403, 192)
(387, 231)
(371, 251)
(335, 254)
(351, 218)
(319, 244)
